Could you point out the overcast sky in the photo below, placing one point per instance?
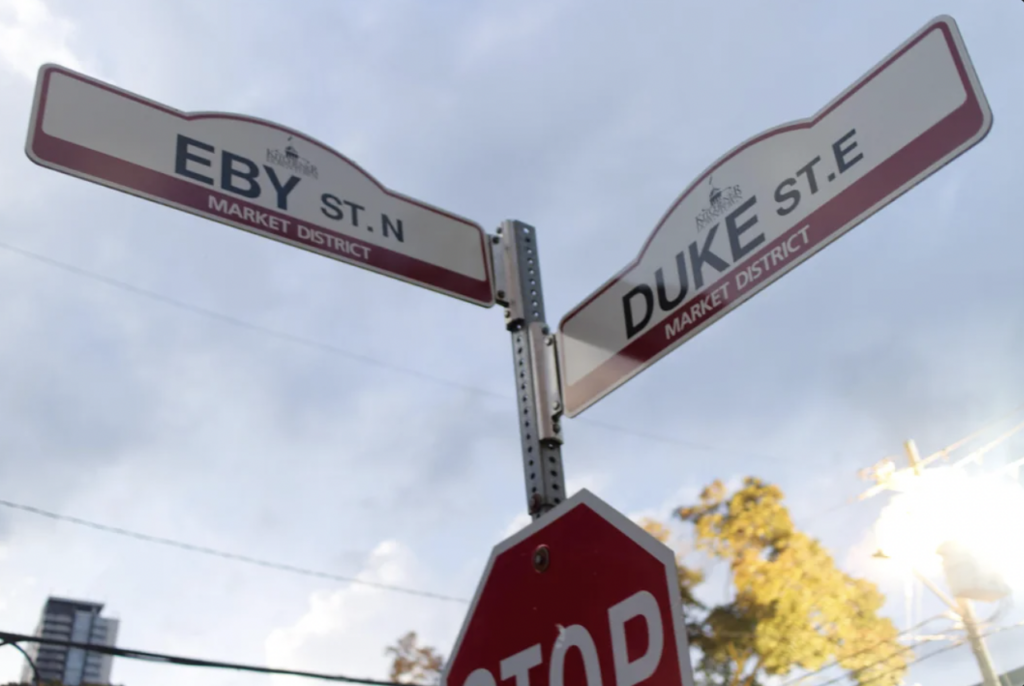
(177, 377)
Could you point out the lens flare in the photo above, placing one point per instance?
(980, 514)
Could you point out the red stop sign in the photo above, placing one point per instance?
(581, 597)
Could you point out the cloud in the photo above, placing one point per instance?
(31, 34)
(359, 621)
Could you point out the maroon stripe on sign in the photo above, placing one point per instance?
(836, 217)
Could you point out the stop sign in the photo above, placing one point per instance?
(581, 597)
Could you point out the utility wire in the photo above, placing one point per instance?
(325, 347)
(187, 661)
(932, 654)
(336, 350)
(916, 660)
(249, 326)
(856, 672)
(226, 555)
(942, 454)
(980, 452)
(342, 352)
(862, 651)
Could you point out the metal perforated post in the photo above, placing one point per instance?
(538, 396)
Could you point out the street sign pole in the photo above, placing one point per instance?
(538, 395)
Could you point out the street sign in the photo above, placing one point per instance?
(771, 203)
(256, 176)
(582, 596)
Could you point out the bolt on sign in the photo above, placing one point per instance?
(256, 176)
(771, 203)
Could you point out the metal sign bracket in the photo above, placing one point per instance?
(535, 360)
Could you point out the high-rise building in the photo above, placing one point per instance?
(79, 622)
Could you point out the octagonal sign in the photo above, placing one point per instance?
(581, 597)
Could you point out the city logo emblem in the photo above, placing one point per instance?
(719, 201)
(289, 158)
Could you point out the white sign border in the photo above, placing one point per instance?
(35, 123)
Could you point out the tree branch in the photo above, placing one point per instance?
(749, 679)
(735, 677)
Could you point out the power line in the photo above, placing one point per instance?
(226, 555)
(325, 347)
(980, 452)
(188, 661)
(342, 352)
(969, 437)
(868, 666)
(861, 652)
(242, 324)
(915, 661)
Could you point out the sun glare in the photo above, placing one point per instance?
(980, 514)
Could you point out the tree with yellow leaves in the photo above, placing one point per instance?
(791, 607)
(412, 663)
